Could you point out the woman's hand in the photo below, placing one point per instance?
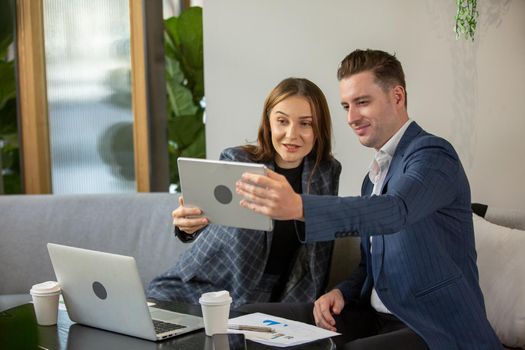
(182, 218)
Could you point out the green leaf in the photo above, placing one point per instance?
(6, 26)
(10, 160)
(10, 142)
(197, 148)
(180, 100)
(174, 71)
(4, 45)
(169, 45)
(7, 82)
(191, 42)
(184, 43)
(183, 130)
(8, 118)
(198, 89)
(170, 25)
(12, 183)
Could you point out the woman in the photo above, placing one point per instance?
(256, 266)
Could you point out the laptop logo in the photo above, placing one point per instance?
(99, 290)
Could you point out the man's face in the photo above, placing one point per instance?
(375, 114)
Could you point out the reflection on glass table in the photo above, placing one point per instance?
(19, 330)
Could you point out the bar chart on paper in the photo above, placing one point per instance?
(285, 332)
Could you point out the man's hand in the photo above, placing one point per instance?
(327, 305)
(270, 195)
(184, 220)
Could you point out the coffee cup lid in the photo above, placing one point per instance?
(216, 298)
(44, 288)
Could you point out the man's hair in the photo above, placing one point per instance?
(386, 68)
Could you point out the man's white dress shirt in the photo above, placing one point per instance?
(378, 170)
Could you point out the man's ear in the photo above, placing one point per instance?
(398, 93)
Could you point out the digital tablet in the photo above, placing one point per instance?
(210, 186)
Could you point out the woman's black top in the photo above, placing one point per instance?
(285, 241)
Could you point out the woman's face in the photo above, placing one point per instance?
(292, 132)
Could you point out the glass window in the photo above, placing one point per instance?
(87, 50)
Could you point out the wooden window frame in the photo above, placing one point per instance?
(148, 98)
(35, 156)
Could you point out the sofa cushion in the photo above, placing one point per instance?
(501, 262)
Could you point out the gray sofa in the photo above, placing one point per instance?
(140, 225)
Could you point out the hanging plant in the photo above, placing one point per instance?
(466, 18)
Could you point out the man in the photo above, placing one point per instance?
(417, 284)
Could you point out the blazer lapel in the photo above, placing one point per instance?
(412, 131)
(310, 186)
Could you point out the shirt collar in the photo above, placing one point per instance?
(390, 146)
(383, 157)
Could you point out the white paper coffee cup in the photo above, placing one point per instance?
(45, 301)
(215, 311)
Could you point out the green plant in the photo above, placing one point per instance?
(466, 18)
(9, 149)
(183, 47)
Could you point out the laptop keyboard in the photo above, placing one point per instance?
(163, 327)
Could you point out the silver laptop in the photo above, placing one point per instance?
(210, 186)
(105, 291)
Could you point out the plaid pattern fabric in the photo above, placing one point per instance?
(233, 259)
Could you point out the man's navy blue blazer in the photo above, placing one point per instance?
(423, 257)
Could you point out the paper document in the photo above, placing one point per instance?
(287, 332)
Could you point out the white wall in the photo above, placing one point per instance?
(470, 93)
